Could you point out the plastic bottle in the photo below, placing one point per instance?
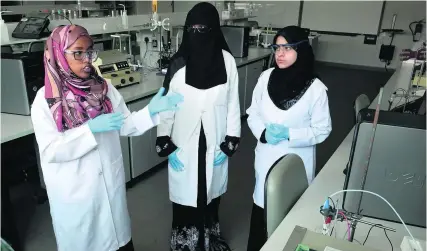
(4, 31)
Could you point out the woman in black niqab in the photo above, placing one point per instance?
(201, 49)
(201, 52)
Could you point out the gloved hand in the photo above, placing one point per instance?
(220, 158)
(106, 122)
(279, 131)
(270, 137)
(175, 163)
(160, 103)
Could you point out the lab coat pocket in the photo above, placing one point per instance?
(180, 154)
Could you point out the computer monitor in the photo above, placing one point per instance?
(397, 168)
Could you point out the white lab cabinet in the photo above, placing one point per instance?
(143, 154)
(124, 143)
(140, 145)
(253, 71)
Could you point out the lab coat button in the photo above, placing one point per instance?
(100, 172)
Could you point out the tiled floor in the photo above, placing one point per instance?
(148, 201)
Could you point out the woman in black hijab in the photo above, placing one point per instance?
(203, 133)
(289, 114)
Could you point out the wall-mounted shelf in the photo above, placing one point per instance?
(237, 18)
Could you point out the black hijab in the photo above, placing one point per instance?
(287, 84)
(201, 53)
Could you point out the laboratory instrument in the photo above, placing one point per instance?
(416, 81)
(32, 27)
(22, 75)
(155, 22)
(114, 67)
(396, 169)
(123, 47)
(237, 38)
(324, 210)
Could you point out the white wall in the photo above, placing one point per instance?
(351, 50)
(184, 6)
(276, 13)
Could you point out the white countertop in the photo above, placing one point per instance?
(306, 214)
(16, 126)
(254, 54)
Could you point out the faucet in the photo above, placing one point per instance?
(124, 8)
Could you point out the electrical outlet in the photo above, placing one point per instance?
(409, 245)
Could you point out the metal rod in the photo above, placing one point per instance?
(374, 129)
(375, 224)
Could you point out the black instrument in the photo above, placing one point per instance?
(31, 27)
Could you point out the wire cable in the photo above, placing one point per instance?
(386, 235)
(388, 203)
(336, 217)
(348, 224)
(385, 232)
(359, 242)
(369, 232)
(333, 203)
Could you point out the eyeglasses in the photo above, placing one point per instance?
(286, 47)
(92, 55)
(199, 28)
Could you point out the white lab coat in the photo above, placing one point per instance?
(219, 110)
(309, 123)
(85, 179)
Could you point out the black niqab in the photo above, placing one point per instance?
(202, 52)
(286, 84)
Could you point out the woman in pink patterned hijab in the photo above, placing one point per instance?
(80, 152)
(73, 90)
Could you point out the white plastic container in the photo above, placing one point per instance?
(4, 31)
(125, 19)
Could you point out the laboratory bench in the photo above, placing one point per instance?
(305, 213)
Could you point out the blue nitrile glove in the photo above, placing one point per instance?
(106, 122)
(270, 137)
(280, 131)
(175, 163)
(160, 103)
(220, 158)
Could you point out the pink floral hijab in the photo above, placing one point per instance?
(72, 100)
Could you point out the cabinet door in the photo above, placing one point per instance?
(140, 145)
(254, 70)
(124, 143)
(242, 87)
